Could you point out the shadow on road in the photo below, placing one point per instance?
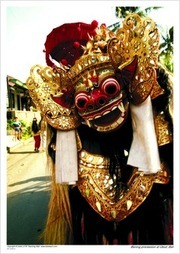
(34, 179)
(27, 211)
(22, 152)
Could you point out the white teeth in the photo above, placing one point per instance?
(120, 120)
(96, 117)
(107, 112)
(117, 123)
(121, 107)
(110, 127)
(114, 108)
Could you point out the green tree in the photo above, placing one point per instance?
(167, 50)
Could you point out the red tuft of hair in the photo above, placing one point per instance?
(63, 44)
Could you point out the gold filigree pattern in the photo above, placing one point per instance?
(96, 185)
(42, 84)
(164, 136)
(140, 37)
(86, 64)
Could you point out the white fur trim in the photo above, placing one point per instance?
(144, 149)
(66, 157)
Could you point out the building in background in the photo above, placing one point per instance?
(18, 101)
(17, 95)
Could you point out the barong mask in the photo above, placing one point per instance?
(101, 78)
(95, 83)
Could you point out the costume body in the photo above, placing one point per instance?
(110, 131)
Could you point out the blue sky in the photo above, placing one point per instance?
(27, 23)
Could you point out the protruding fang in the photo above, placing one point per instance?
(88, 123)
(121, 107)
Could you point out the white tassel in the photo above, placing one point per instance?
(66, 157)
(144, 152)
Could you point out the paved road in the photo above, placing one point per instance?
(28, 193)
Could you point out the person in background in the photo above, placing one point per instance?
(17, 128)
(36, 134)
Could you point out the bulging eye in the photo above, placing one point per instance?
(81, 101)
(110, 87)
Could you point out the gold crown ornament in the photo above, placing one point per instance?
(129, 55)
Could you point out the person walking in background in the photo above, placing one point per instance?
(17, 128)
(36, 134)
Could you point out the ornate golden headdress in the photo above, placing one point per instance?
(52, 88)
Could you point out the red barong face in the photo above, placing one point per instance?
(102, 103)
